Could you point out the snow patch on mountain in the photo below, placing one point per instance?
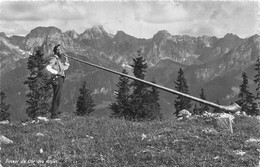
(102, 90)
(234, 93)
(126, 65)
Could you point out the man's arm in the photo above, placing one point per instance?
(50, 65)
(66, 64)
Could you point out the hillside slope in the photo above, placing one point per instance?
(88, 141)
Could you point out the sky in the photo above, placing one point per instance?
(141, 19)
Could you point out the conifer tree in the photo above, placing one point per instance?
(246, 98)
(39, 87)
(85, 104)
(196, 109)
(4, 113)
(140, 92)
(203, 107)
(257, 82)
(139, 67)
(257, 78)
(153, 105)
(181, 85)
(141, 100)
(254, 108)
(121, 108)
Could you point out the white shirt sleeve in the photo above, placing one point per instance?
(49, 67)
(66, 64)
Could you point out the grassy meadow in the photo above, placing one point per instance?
(88, 141)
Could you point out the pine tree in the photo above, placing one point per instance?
(257, 78)
(121, 108)
(246, 98)
(251, 106)
(39, 87)
(152, 104)
(139, 67)
(141, 100)
(140, 92)
(4, 113)
(196, 109)
(257, 82)
(203, 107)
(254, 110)
(182, 86)
(85, 103)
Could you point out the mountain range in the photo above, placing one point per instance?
(214, 64)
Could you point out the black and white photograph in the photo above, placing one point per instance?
(121, 83)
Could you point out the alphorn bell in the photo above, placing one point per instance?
(229, 108)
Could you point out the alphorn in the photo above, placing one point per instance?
(229, 108)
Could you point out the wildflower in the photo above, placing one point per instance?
(240, 152)
(89, 136)
(143, 136)
(102, 157)
(217, 157)
(41, 150)
(43, 119)
(39, 134)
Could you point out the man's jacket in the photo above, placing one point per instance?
(58, 66)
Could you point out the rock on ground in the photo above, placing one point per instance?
(184, 114)
(5, 140)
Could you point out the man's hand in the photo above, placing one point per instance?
(60, 73)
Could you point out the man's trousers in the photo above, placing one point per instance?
(56, 96)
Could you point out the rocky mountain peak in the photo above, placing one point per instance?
(99, 29)
(255, 38)
(41, 34)
(229, 41)
(96, 30)
(2, 34)
(230, 36)
(72, 34)
(250, 48)
(44, 31)
(121, 36)
(161, 35)
(206, 41)
(94, 33)
(16, 40)
(207, 38)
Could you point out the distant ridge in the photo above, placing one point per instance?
(206, 60)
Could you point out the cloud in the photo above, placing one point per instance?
(140, 18)
(13, 28)
(18, 11)
(219, 18)
(39, 10)
(160, 12)
(18, 7)
(201, 28)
